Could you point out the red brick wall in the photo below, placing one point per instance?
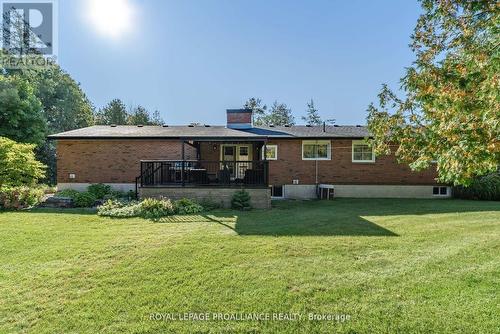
(340, 169)
(112, 161)
(239, 117)
(117, 161)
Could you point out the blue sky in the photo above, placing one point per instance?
(193, 59)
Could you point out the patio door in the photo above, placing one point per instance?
(235, 159)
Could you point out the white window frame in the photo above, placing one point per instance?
(275, 150)
(439, 191)
(282, 191)
(361, 142)
(318, 142)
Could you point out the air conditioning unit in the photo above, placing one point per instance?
(295, 181)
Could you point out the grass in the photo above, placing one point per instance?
(408, 266)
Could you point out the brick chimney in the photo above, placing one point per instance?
(239, 118)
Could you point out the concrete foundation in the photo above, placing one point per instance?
(83, 186)
(364, 191)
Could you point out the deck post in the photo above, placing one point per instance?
(266, 167)
(183, 164)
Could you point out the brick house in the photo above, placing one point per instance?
(296, 162)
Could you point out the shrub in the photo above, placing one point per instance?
(241, 200)
(84, 200)
(20, 197)
(70, 193)
(100, 190)
(19, 166)
(185, 206)
(119, 209)
(209, 204)
(156, 208)
(485, 188)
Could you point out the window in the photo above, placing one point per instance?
(244, 150)
(271, 152)
(316, 150)
(362, 152)
(277, 191)
(440, 191)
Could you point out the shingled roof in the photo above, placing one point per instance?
(213, 132)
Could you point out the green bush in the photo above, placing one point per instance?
(153, 208)
(486, 188)
(70, 193)
(209, 204)
(20, 197)
(185, 206)
(19, 165)
(100, 190)
(119, 209)
(84, 200)
(241, 200)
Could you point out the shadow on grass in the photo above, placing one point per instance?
(341, 217)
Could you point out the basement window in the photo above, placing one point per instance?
(440, 191)
(277, 191)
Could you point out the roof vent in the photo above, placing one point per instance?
(140, 126)
(113, 125)
(358, 126)
(271, 125)
(336, 125)
(191, 125)
(308, 125)
(207, 125)
(165, 125)
(287, 125)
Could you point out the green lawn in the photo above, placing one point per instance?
(391, 265)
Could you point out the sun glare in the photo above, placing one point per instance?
(111, 18)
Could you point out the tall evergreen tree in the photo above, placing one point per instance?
(280, 114)
(114, 112)
(312, 117)
(259, 110)
(139, 116)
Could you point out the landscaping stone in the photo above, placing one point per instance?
(58, 202)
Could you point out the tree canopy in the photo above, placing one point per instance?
(450, 111)
(21, 116)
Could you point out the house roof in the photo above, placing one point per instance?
(212, 132)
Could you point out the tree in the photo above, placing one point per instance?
(156, 118)
(312, 117)
(451, 109)
(139, 116)
(65, 105)
(21, 117)
(259, 111)
(280, 114)
(114, 112)
(18, 165)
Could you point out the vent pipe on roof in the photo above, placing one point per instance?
(140, 126)
(324, 126)
(113, 125)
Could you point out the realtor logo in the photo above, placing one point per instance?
(29, 29)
